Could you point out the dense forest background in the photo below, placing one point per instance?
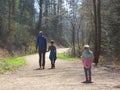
(69, 22)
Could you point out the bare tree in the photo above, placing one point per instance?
(40, 2)
(97, 22)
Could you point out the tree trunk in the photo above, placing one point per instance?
(13, 9)
(40, 16)
(99, 26)
(97, 23)
(73, 38)
(9, 17)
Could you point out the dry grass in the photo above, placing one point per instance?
(117, 63)
(3, 54)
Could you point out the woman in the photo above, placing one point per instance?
(87, 59)
(41, 45)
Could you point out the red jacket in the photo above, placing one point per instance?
(87, 62)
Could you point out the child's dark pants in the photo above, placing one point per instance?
(52, 62)
(87, 73)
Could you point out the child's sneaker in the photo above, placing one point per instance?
(85, 82)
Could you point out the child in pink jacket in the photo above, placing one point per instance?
(87, 59)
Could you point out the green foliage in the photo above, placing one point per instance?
(65, 56)
(17, 25)
(22, 37)
(111, 26)
(11, 64)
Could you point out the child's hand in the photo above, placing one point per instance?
(36, 50)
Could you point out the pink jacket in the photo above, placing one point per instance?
(87, 62)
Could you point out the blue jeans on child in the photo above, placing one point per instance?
(87, 72)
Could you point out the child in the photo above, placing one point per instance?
(52, 56)
(87, 58)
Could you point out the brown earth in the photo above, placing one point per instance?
(68, 75)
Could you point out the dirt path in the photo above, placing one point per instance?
(68, 75)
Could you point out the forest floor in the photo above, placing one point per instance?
(68, 75)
